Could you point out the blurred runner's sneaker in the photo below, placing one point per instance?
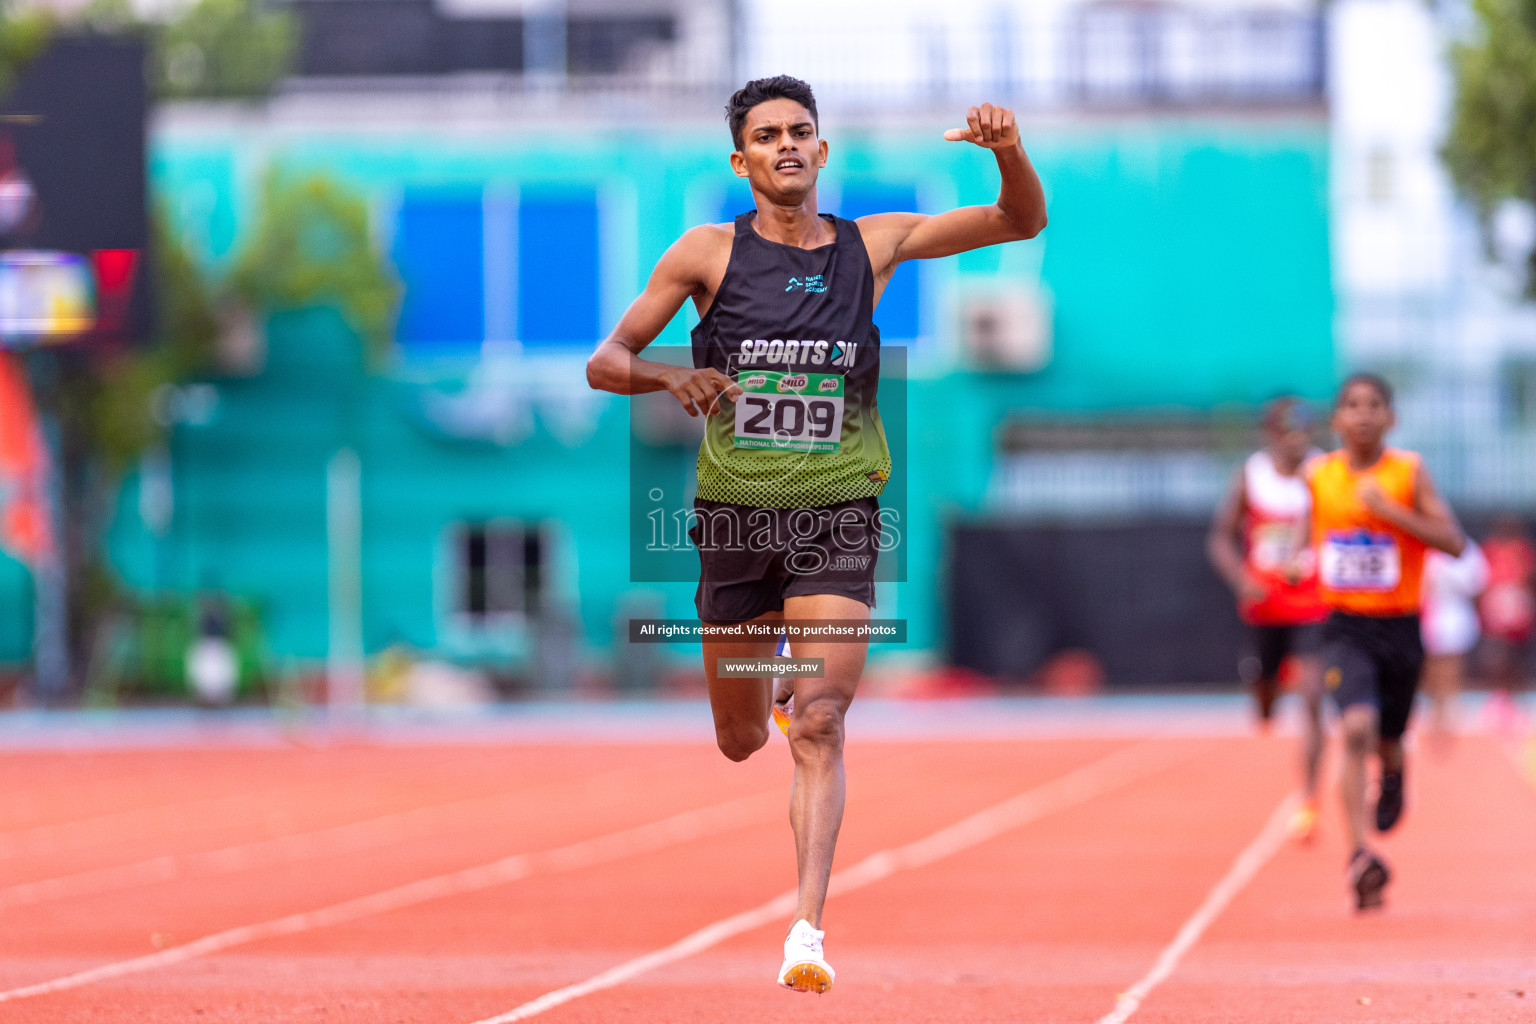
(804, 969)
(1303, 824)
(1368, 877)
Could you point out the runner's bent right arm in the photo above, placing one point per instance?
(692, 267)
(1223, 544)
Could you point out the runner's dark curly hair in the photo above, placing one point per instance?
(1370, 380)
(761, 90)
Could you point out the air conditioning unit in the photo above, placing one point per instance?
(1006, 330)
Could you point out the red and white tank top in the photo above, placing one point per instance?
(1278, 509)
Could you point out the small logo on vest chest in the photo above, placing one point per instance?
(811, 284)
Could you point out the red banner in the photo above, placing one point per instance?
(23, 469)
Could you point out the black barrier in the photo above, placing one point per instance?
(1142, 599)
(74, 222)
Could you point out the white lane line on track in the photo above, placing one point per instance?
(1079, 786)
(1254, 856)
(647, 838)
(157, 819)
(296, 847)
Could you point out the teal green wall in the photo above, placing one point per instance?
(15, 611)
(1187, 261)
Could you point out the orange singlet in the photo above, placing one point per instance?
(1366, 566)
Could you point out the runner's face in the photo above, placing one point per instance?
(1293, 445)
(1363, 417)
(780, 152)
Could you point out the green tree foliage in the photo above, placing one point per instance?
(23, 34)
(224, 49)
(210, 49)
(1491, 148)
(314, 245)
(110, 395)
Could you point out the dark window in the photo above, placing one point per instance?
(411, 37)
(367, 37)
(401, 37)
(482, 44)
(605, 46)
(501, 570)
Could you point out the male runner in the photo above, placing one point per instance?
(1258, 528)
(785, 368)
(1375, 511)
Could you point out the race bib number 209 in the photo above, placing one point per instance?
(1360, 561)
(790, 412)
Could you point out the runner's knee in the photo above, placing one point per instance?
(1360, 736)
(817, 725)
(740, 740)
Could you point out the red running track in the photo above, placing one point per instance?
(1045, 908)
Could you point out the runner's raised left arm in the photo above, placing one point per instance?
(1019, 212)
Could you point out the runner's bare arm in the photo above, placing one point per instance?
(682, 272)
(1223, 544)
(1302, 540)
(1019, 212)
(1430, 520)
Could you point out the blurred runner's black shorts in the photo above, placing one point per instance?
(1374, 660)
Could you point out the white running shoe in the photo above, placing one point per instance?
(804, 970)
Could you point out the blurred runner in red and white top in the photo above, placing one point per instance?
(1508, 612)
(1257, 544)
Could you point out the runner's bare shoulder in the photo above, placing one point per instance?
(701, 254)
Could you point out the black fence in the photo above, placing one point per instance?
(1141, 598)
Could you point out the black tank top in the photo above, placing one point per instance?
(794, 328)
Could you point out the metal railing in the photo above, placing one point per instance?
(1091, 57)
(1094, 56)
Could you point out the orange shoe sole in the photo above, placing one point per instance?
(807, 978)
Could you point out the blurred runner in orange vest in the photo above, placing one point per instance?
(1375, 512)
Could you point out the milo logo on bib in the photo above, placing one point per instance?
(793, 382)
(790, 412)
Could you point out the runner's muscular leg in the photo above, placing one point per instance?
(1309, 683)
(816, 741)
(740, 706)
(1360, 742)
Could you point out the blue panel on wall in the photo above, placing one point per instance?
(557, 267)
(737, 200)
(898, 313)
(439, 252)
